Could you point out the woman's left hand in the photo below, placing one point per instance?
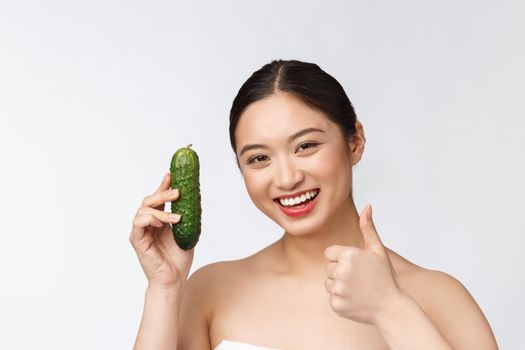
(361, 282)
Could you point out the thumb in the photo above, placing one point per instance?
(370, 235)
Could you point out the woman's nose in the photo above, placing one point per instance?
(288, 175)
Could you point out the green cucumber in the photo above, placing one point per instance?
(184, 171)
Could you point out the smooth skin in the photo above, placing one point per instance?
(328, 282)
(361, 282)
(165, 265)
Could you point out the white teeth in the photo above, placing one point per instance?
(299, 199)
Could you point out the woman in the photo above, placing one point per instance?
(328, 282)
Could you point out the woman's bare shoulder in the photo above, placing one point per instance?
(217, 271)
(204, 287)
(426, 285)
(212, 277)
(450, 306)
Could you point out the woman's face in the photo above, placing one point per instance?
(275, 164)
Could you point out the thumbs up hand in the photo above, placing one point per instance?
(361, 282)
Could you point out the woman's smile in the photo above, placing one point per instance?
(291, 151)
(297, 198)
(299, 205)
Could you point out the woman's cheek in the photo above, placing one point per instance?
(334, 172)
(257, 188)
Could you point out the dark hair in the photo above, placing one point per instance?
(305, 80)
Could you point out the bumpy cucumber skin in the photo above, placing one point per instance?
(184, 171)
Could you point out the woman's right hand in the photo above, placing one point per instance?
(164, 263)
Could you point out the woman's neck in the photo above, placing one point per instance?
(303, 255)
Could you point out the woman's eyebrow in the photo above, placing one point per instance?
(290, 139)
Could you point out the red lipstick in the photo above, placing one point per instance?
(300, 210)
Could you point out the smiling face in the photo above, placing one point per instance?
(286, 148)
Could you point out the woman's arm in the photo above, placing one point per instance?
(452, 320)
(405, 326)
(158, 327)
(177, 319)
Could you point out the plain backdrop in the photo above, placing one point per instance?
(95, 97)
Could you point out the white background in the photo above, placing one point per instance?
(95, 97)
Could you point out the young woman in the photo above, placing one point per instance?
(328, 282)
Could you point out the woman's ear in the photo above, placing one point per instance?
(356, 143)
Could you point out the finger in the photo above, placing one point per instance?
(165, 184)
(140, 223)
(333, 287)
(338, 252)
(328, 284)
(333, 252)
(160, 198)
(160, 215)
(330, 270)
(148, 217)
(370, 235)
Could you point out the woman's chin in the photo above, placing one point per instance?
(301, 229)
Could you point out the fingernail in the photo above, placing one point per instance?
(174, 217)
(174, 191)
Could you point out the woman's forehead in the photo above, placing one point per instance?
(279, 134)
(278, 117)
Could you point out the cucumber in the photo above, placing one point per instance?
(184, 172)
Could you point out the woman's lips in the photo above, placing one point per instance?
(294, 212)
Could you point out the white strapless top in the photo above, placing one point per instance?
(237, 345)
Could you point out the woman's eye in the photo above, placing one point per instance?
(310, 144)
(258, 158)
